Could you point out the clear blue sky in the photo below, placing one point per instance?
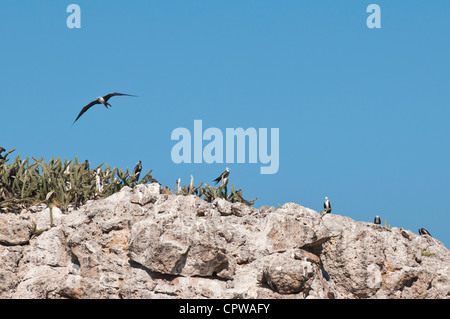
(363, 113)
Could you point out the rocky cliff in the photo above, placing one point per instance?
(140, 243)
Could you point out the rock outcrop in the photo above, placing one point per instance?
(140, 243)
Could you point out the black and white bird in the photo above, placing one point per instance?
(327, 206)
(137, 170)
(86, 165)
(12, 174)
(423, 231)
(223, 178)
(377, 220)
(100, 100)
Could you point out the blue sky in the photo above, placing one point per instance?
(362, 113)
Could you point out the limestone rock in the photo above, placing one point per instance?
(143, 243)
(13, 231)
(288, 276)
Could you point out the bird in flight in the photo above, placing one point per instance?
(100, 100)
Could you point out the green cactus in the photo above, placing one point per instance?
(69, 182)
(210, 193)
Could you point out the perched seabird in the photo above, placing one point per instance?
(67, 170)
(179, 186)
(191, 184)
(137, 170)
(98, 183)
(223, 178)
(86, 165)
(100, 100)
(423, 231)
(12, 174)
(326, 206)
(377, 220)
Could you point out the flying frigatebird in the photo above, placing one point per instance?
(100, 100)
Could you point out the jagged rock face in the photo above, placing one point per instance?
(370, 261)
(140, 243)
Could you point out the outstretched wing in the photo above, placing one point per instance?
(87, 107)
(107, 97)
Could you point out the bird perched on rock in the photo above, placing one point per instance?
(100, 100)
(137, 170)
(377, 220)
(327, 206)
(223, 178)
(179, 185)
(423, 231)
